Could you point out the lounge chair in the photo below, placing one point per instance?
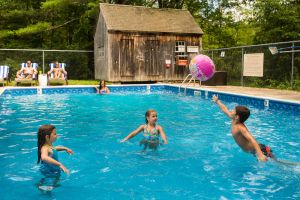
(57, 81)
(4, 70)
(30, 81)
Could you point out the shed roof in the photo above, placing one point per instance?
(142, 19)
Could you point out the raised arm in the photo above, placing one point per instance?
(162, 134)
(97, 89)
(107, 90)
(222, 107)
(259, 154)
(134, 133)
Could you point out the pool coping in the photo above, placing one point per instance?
(246, 95)
(198, 88)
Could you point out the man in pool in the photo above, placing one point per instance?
(240, 132)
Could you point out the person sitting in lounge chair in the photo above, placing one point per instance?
(58, 72)
(27, 72)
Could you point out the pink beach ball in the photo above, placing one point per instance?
(202, 67)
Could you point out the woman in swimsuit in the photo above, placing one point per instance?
(57, 71)
(102, 88)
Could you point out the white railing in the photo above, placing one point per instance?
(183, 82)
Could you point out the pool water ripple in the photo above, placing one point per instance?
(201, 160)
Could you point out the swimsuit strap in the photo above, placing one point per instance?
(48, 169)
(103, 91)
(153, 132)
(54, 154)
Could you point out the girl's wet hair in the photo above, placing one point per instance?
(147, 114)
(42, 132)
(100, 84)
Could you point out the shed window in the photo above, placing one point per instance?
(180, 53)
(180, 48)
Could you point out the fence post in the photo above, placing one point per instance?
(242, 73)
(43, 62)
(292, 74)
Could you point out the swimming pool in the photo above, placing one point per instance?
(201, 160)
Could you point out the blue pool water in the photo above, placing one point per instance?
(201, 160)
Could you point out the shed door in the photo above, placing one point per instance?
(126, 55)
(152, 58)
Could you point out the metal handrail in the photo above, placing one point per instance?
(181, 85)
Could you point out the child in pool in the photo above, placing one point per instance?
(47, 153)
(240, 132)
(151, 130)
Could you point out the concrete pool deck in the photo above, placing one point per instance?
(288, 95)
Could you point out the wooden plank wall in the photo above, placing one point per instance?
(141, 57)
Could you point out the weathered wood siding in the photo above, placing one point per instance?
(126, 58)
(141, 57)
(152, 57)
(100, 50)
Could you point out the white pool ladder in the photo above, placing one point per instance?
(183, 82)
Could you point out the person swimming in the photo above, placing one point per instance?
(151, 137)
(48, 169)
(243, 137)
(151, 130)
(48, 156)
(103, 89)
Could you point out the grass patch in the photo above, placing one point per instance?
(70, 82)
(83, 82)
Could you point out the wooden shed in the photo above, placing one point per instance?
(139, 44)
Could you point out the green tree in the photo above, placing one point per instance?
(278, 20)
(170, 4)
(48, 24)
(216, 20)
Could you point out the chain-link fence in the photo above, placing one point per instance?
(281, 69)
(79, 63)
